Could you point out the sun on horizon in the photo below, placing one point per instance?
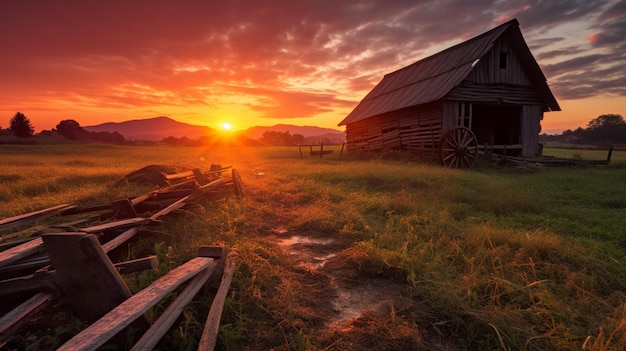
(226, 126)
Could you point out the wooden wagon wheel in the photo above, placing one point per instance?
(458, 148)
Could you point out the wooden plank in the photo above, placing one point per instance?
(140, 264)
(116, 225)
(32, 217)
(123, 315)
(120, 239)
(149, 340)
(12, 320)
(175, 206)
(212, 324)
(25, 266)
(18, 252)
(23, 285)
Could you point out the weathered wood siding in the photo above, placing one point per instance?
(488, 83)
(488, 71)
(415, 128)
(531, 126)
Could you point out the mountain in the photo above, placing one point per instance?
(311, 133)
(156, 128)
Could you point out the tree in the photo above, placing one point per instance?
(610, 128)
(20, 126)
(69, 128)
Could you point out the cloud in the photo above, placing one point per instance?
(292, 59)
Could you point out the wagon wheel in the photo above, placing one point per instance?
(458, 148)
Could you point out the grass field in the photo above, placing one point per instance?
(492, 258)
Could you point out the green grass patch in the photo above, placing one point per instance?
(488, 258)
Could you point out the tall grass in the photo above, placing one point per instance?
(489, 258)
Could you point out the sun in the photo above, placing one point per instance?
(227, 126)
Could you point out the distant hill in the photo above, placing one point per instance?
(155, 129)
(312, 134)
(158, 128)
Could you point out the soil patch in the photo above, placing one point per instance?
(347, 295)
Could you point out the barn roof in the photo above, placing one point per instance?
(432, 78)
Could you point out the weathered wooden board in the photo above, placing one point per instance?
(173, 311)
(120, 239)
(131, 222)
(32, 217)
(18, 252)
(212, 324)
(123, 315)
(12, 320)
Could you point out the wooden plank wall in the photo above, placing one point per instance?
(495, 94)
(416, 128)
(531, 126)
(488, 70)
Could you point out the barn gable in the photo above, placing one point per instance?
(493, 77)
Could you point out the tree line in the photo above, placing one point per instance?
(606, 129)
(21, 127)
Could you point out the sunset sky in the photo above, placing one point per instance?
(263, 62)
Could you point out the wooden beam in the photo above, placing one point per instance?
(124, 314)
(18, 252)
(32, 217)
(212, 324)
(120, 239)
(12, 320)
(132, 222)
(149, 340)
(42, 282)
(140, 264)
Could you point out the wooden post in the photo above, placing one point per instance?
(608, 157)
(84, 274)
(321, 149)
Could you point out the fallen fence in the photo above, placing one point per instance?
(69, 262)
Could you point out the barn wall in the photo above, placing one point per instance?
(488, 70)
(531, 126)
(416, 128)
(450, 114)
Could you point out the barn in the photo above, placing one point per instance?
(487, 93)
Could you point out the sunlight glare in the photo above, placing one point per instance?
(227, 126)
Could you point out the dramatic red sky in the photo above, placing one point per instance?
(263, 62)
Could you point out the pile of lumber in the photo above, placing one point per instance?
(69, 262)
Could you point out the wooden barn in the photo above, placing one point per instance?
(487, 92)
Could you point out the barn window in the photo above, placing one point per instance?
(464, 117)
(503, 58)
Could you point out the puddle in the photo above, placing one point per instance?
(352, 296)
(296, 239)
(312, 253)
